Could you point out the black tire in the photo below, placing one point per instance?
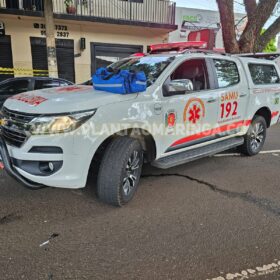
(117, 181)
(255, 137)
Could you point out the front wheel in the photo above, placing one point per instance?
(255, 137)
(120, 171)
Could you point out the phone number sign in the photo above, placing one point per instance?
(61, 30)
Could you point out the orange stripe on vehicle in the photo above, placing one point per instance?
(274, 114)
(207, 133)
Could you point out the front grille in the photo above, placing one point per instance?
(15, 130)
(18, 117)
(12, 137)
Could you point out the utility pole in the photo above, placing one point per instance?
(50, 31)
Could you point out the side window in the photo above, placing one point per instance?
(227, 73)
(54, 83)
(64, 83)
(5, 88)
(14, 87)
(194, 70)
(46, 83)
(264, 74)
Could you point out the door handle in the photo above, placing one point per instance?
(243, 95)
(212, 100)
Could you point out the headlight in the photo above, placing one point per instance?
(59, 123)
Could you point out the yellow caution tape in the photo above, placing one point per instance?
(23, 71)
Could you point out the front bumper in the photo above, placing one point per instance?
(7, 161)
(76, 155)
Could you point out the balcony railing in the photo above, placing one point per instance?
(146, 11)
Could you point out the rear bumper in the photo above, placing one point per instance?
(7, 162)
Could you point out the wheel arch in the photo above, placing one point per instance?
(265, 112)
(145, 138)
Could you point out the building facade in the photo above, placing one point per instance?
(89, 34)
(188, 20)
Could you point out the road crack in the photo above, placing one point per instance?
(263, 203)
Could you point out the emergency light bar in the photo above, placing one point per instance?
(178, 47)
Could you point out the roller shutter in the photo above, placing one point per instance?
(6, 57)
(64, 53)
(104, 54)
(39, 55)
(65, 59)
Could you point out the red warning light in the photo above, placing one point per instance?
(138, 55)
(180, 46)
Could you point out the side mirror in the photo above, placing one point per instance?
(180, 86)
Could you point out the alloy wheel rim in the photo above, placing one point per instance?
(131, 173)
(257, 136)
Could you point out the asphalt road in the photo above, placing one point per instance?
(217, 218)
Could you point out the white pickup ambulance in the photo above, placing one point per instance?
(197, 103)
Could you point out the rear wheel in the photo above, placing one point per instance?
(120, 171)
(255, 137)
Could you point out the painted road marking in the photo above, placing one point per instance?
(251, 273)
(270, 152)
(273, 152)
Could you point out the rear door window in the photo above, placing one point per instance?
(227, 73)
(264, 74)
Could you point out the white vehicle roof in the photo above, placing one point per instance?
(249, 57)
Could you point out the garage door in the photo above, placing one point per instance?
(103, 55)
(64, 53)
(6, 57)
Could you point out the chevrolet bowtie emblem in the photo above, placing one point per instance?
(3, 122)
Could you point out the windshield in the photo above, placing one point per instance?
(152, 66)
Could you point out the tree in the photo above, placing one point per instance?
(252, 39)
(271, 46)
